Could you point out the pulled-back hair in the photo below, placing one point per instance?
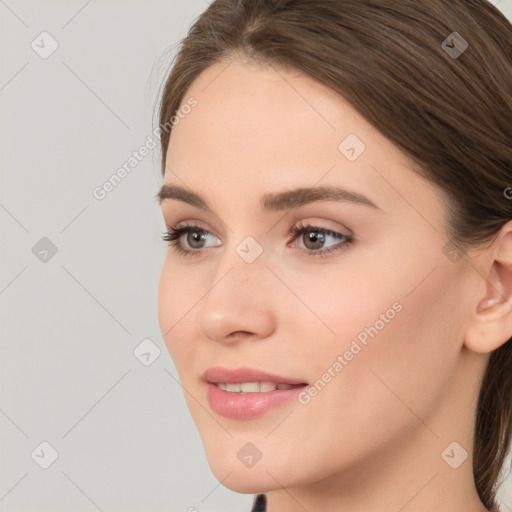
(450, 113)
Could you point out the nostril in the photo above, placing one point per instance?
(242, 334)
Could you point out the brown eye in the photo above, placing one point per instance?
(188, 240)
(195, 239)
(314, 238)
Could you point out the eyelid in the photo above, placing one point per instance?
(323, 224)
(192, 223)
(300, 224)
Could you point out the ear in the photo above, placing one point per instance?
(490, 325)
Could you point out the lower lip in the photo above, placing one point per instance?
(242, 406)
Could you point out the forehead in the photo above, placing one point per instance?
(255, 117)
(261, 128)
(261, 108)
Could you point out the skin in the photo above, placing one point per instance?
(372, 438)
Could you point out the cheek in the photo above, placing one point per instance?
(166, 301)
(176, 297)
(398, 336)
(397, 307)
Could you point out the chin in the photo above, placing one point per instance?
(246, 485)
(263, 476)
(234, 475)
(248, 481)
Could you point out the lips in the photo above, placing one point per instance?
(245, 393)
(218, 374)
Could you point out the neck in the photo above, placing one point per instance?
(398, 478)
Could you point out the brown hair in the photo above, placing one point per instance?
(451, 114)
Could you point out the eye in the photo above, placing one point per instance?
(314, 239)
(194, 235)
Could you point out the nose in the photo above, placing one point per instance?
(238, 304)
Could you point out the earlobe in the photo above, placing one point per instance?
(486, 304)
(490, 325)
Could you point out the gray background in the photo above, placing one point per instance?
(72, 320)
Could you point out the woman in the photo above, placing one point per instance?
(337, 292)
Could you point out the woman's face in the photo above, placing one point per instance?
(367, 306)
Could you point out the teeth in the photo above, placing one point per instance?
(253, 387)
(285, 386)
(250, 387)
(267, 386)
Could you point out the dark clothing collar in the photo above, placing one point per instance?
(260, 503)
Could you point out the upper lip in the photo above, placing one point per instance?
(217, 374)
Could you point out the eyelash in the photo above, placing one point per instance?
(174, 234)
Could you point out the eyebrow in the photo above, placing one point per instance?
(273, 202)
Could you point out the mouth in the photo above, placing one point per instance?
(244, 393)
(255, 387)
(248, 380)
